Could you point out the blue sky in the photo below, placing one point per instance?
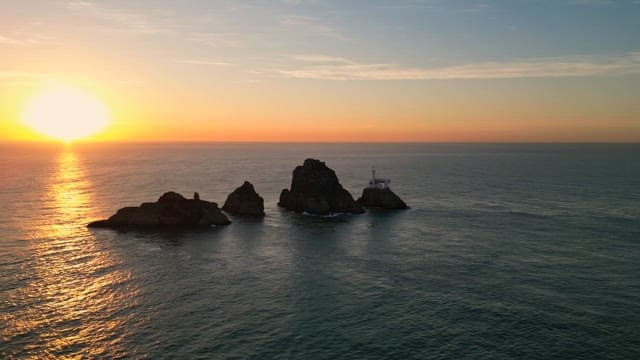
(283, 35)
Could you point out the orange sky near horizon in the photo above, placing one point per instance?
(156, 116)
(449, 112)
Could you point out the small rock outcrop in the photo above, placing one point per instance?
(382, 198)
(171, 210)
(315, 189)
(244, 201)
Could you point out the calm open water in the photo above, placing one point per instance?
(508, 251)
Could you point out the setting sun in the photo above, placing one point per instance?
(65, 113)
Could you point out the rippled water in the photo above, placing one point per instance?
(508, 251)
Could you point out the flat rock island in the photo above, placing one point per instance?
(244, 201)
(315, 189)
(381, 198)
(171, 210)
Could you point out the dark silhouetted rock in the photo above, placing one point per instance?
(382, 198)
(315, 189)
(171, 210)
(244, 201)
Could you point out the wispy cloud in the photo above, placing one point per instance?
(316, 67)
(593, 2)
(216, 40)
(477, 8)
(10, 41)
(154, 22)
(124, 19)
(325, 59)
(202, 62)
(311, 25)
(22, 39)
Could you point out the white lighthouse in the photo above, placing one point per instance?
(376, 183)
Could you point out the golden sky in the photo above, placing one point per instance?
(328, 70)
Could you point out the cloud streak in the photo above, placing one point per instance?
(215, 40)
(155, 22)
(4, 40)
(331, 68)
(310, 25)
(26, 40)
(124, 19)
(311, 58)
(202, 62)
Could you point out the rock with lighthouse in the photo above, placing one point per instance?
(378, 194)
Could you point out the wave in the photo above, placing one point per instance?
(331, 215)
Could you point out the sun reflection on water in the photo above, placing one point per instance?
(67, 309)
(71, 192)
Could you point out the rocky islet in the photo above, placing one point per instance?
(315, 189)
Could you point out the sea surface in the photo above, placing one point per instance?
(508, 251)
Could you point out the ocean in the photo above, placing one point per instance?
(528, 251)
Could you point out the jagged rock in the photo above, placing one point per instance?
(171, 210)
(315, 189)
(244, 201)
(382, 198)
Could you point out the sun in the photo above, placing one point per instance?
(65, 113)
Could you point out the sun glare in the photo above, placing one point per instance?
(65, 113)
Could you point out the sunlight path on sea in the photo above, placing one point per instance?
(68, 308)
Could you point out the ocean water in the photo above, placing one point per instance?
(508, 251)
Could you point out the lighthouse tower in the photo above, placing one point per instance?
(376, 183)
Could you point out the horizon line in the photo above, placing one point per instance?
(150, 142)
